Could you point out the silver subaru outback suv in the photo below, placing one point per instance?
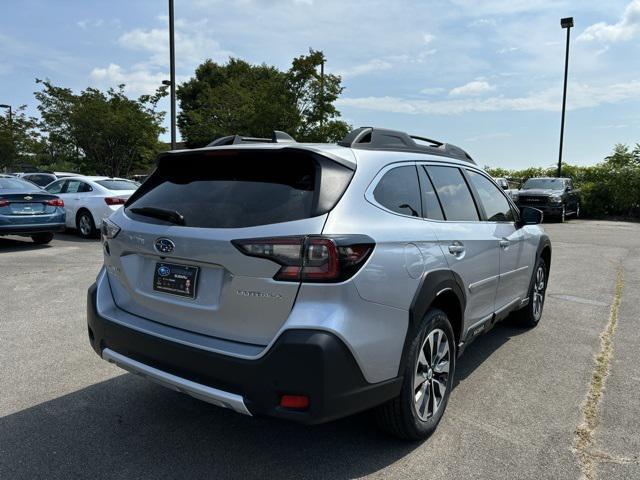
(313, 281)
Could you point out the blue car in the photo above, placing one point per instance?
(29, 211)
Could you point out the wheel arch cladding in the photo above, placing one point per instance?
(438, 289)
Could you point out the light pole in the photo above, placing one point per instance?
(564, 23)
(172, 73)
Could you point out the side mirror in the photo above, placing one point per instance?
(568, 189)
(530, 216)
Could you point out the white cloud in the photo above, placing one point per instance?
(488, 136)
(579, 96)
(374, 65)
(428, 38)
(432, 90)
(483, 22)
(475, 87)
(193, 44)
(137, 81)
(86, 23)
(626, 29)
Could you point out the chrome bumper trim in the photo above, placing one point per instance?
(211, 395)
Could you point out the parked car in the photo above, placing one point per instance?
(509, 186)
(42, 179)
(29, 211)
(279, 279)
(89, 200)
(555, 197)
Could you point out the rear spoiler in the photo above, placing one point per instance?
(276, 137)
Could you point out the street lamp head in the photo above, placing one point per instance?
(166, 82)
(5, 106)
(566, 22)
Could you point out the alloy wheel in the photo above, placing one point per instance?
(85, 225)
(431, 374)
(538, 293)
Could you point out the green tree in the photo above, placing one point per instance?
(99, 132)
(253, 100)
(20, 142)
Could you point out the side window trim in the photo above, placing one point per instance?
(376, 180)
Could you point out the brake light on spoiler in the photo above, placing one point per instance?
(311, 258)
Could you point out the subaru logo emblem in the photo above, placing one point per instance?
(164, 245)
(164, 271)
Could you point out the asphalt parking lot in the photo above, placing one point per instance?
(64, 413)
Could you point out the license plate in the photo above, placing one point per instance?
(27, 208)
(175, 279)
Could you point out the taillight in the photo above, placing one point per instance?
(114, 201)
(56, 202)
(3, 202)
(312, 258)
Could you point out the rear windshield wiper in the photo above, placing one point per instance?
(161, 213)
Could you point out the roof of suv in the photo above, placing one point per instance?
(349, 149)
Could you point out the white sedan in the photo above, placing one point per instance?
(89, 200)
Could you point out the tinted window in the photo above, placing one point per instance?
(494, 202)
(118, 184)
(454, 194)
(16, 184)
(41, 179)
(399, 191)
(85, 187)
(232, 189)
(56, 187)
(430, 204)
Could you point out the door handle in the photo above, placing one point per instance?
(504, 243)
(456, 249)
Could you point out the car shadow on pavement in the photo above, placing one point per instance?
(19, 244)
(128, 427)
(484, 346)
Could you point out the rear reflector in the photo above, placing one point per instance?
(56, 202)
(114, 201)
(298, 402)
(312, 258)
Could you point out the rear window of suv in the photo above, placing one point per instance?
(234, 189)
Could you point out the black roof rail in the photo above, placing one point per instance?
(370, 138)
(276, 137)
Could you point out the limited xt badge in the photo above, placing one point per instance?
(249, 293)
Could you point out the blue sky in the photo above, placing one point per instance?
(485, 75)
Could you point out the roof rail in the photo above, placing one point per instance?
(276, 137)
(370, 138)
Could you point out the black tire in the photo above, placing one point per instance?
(529, 316)
(85, 225)
(400, 416)
(42, 238)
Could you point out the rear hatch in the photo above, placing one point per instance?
(174, 262)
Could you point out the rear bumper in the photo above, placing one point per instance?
(29, 229)
(301, 362)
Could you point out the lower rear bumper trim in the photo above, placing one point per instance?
(208, 394)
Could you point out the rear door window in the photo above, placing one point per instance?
(399, 191)
(234, 189)
(453, 192)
